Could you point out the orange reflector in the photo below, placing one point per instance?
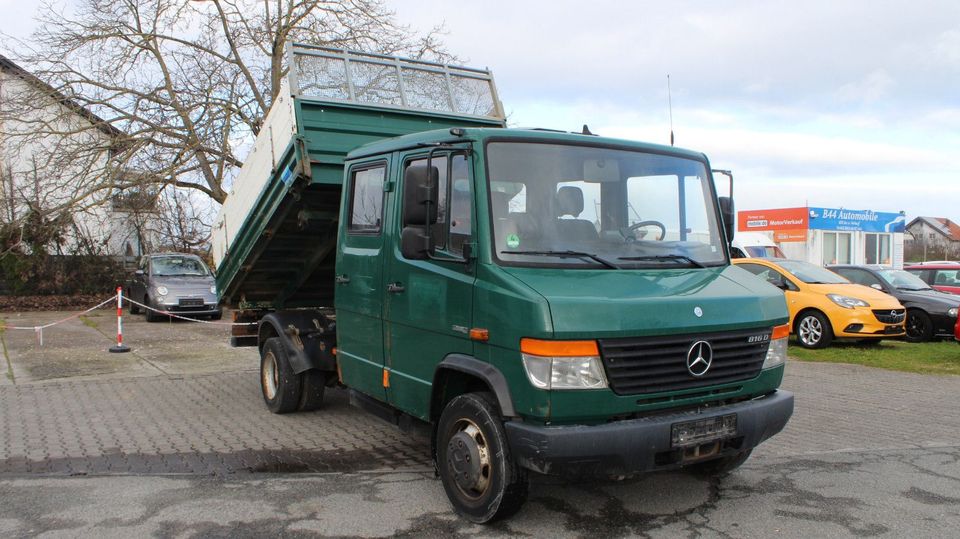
(781, 332)
(333, 350)
(537, 347)
(479, 334)
(386, 378)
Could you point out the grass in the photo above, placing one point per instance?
(938, 357)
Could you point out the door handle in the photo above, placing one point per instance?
(342, 279)
(395, 288)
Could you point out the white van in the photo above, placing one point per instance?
(754, 245)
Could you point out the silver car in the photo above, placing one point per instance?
(177, 283)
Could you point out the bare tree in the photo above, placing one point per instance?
(188, 83)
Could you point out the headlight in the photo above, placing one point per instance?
(847, 302)
(213, 289)
(952, 312)
(777, 352)
(162, 291)
(562, 364)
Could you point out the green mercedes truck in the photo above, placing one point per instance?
(541, 301)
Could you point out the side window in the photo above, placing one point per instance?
(770, 275)
(946, 277)
(461, 203)
(366, 200)
(454, 201)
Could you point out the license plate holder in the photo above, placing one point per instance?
(700, 431)
(191, 302)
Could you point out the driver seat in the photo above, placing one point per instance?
(569, 201)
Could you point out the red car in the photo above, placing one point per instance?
(944, 276)
(956, 331)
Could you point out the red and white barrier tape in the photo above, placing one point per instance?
(187, 318)
(117, 298)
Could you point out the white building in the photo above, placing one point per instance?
(61, 159)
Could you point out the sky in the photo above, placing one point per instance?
(821, 103)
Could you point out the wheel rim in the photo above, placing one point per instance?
(915, 326)
(810, 330)
(269, 375)
(468, 459)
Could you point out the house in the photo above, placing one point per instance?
(932, 238)
(59, 169)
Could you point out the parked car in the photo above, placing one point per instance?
(177, 283)
(754, 245)
(944, 276)
(956, 331)
(824, 305)
(930, 313)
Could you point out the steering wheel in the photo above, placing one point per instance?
(631, 230)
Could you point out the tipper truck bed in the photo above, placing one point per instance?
(542, 301)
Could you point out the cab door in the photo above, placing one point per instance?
(429, 303)
(359, 277)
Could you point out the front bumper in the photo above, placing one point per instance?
(176, 308)
(639, 445)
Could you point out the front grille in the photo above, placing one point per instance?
(636, 366)
(890, 316)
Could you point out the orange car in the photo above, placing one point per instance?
(824, 306)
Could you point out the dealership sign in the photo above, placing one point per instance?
(787, 224)
(855, 220)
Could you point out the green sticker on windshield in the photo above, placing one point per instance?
(513, 241)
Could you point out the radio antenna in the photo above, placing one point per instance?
(670, 107)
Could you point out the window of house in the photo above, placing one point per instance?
(836, 247)
(877, 249)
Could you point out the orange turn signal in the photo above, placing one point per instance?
(386, 378)
(781, 332)
(480, 334)
(537, 347)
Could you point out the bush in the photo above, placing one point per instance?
(41, 274)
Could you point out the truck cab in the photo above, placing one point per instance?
(540, 301)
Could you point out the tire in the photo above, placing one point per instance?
(134, 309)
(482, 481)
(813, 330)
(919, 327)
(313, 384)
(151, 315)
(280, 387)
(721, 465)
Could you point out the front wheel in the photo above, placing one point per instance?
(814, 331)
(919, 326)
(481, 479)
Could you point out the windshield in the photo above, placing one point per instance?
(760, 251)
(810, 273)
(583, 206)
(178, 266)
(903, 280)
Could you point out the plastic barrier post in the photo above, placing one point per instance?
(120, 347)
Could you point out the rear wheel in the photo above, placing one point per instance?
(813, 330)
(721, 465)
(134, 308)
(919, 326)
(281, 388)
(481, 479)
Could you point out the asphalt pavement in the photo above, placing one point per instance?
(173, 440)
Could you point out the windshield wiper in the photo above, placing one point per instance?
(675, 258)
(566, 254)
(911, 289)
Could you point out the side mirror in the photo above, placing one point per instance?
(415, 243)
(877, 286)
(727, 216)
(420, 196)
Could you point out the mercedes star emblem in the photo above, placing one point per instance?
(699, 358)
